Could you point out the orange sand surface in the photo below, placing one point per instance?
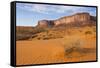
(56, 50)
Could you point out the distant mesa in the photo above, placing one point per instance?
(78, 19)
(46, 23)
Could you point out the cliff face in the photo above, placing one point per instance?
(79, 19)
(45, 23)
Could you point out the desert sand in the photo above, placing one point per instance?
(76, 45)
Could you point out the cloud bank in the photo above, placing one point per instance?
(55, 9)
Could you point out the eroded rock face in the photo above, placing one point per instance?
(46, 23)
(79, 18)
(73, 19)
(43, 23)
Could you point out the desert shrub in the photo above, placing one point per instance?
(50, 35)
(88, 32)
(22, 37)
(39, 38)
(33, 36)
(46, 38)
(44, 35)
(25, 30)
(24, 33)
(74, 43)
(70, 43)
(72, 46)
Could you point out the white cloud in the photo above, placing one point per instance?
(48, 9)
(40, 9)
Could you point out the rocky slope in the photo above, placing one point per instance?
(78, 19)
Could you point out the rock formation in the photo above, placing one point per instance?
(45, 23)
(76, 19)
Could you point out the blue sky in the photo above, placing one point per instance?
(29, 14)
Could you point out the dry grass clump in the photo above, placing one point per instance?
(22, 36)
(49, 34)
(25, 33)
(71, 45)
(88, 32)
